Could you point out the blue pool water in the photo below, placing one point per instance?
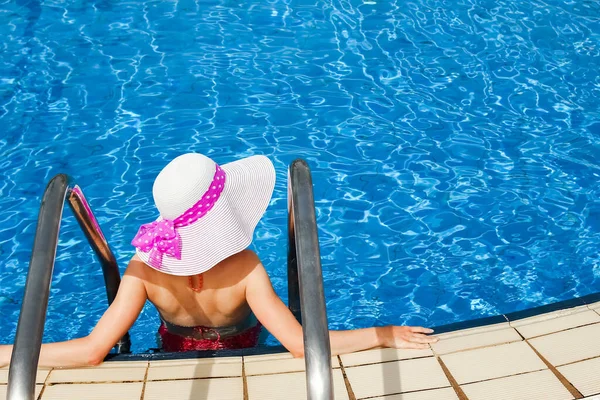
(454, 144)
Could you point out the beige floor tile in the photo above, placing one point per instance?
(94, 391)
(584, 375)
(486, 338)
(269, 357)
(597, 397)
(196, 389)
(541, 385)
(569, 346)
(382, 355)
(474, 331)
(106, 372)
(556, 321)
(289, 386)
(594, 306)
(435, 394)
(40, 377)
(282, 356)
(212, 360)
(122, 364)
(396, 377)
(549, 316)
(4, 388)
(195, 368)
(280, 366)
(492, 362)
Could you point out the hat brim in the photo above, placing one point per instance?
(229, 227)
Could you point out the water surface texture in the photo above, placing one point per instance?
(454, 144)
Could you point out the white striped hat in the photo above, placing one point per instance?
(207, 212)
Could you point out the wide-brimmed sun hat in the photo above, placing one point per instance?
(207, 212)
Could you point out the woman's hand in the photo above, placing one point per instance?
(406, 337)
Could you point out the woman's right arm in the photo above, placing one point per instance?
(278, 319)
(115, 322)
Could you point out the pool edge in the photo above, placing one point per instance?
(474, 323)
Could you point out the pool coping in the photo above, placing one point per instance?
(541, 354)
(518, 315)
(263, 350)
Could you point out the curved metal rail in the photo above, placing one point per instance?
(28, 340)
(305, 282)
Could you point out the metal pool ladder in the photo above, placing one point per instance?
(305, 282)
(30, 329)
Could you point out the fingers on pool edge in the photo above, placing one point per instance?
(420, 329)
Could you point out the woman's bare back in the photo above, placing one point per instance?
(220, 302)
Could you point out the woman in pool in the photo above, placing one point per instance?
(192, 264)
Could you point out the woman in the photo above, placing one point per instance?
(193, 264)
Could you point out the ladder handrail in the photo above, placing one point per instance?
(30, 329)
(305, 282)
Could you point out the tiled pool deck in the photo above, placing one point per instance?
(553, 356)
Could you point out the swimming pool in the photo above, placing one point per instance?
(454, 145)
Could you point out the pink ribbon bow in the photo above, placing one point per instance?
(158, 238)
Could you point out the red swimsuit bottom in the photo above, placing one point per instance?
(184, 338)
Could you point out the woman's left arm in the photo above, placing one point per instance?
(115, 322)
(279, 321)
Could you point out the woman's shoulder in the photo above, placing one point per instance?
(248, 255)
(243, 262)
(248, 259)
(138, 268)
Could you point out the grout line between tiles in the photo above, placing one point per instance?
(92, 382)
(282, 372)
(457, 389)
(145, 381)
(44, 384)
(386, 362)
(244, 380)
(478, 347)
(578, 361)
(189, 378)
(351, 395)
(572, 389)
(568, 385)
(502, 377)
(403, 393)
(552, 333)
